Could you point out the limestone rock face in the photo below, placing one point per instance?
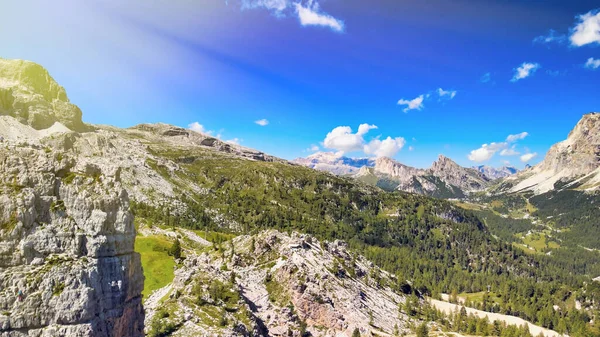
(30, 94)
(572, 162)
(66, 244)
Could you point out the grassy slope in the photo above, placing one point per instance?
(158, 265)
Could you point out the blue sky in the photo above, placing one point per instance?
(311, 68)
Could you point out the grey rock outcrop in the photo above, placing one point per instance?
(30, 94)
(282, 284)
(67, 265)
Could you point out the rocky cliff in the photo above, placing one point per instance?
(574, 162)
(67, 266)
(67, 261)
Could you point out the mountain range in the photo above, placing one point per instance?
(160, 230)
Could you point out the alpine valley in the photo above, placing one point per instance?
(159, 230)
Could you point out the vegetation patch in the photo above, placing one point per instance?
(158, 265)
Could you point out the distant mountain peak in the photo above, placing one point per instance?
(493, 173)
(334, 162)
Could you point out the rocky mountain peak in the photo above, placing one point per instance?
(33, 97)
(576, 158)
(444, 163)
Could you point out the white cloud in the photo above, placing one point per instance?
(550, 37)
(342, 139)
(486, 78)
(587, 29)
(527, 157)
(364, 128)
(262, 122)
(411, 148)
(509, 152)
(195, 126)
(277, 6)
(311, 16)
(384, 148)
(525, 70)
(518, 136)
(592, 63)
(485, 152)
(234, 141)
(312, 148)
(506, 162)
(413, 104)
(446, 93)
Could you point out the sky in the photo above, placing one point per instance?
(482, 82)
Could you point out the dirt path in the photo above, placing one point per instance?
(535, 330)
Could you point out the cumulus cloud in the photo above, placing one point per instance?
(525, 70)
(312, 148)
(342, 139)
(413, 104)
(388, 147)
(527, 157)
(487, 151)
(518, 136)
(446, 93)
(262, 122)
(310, 15)
(551, 37)
(586, 30)
(592, 63)
(195, 126)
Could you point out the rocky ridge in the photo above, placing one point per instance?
(277, 284)
(572, 163)
(444, 179)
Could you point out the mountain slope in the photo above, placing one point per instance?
(575, 160)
